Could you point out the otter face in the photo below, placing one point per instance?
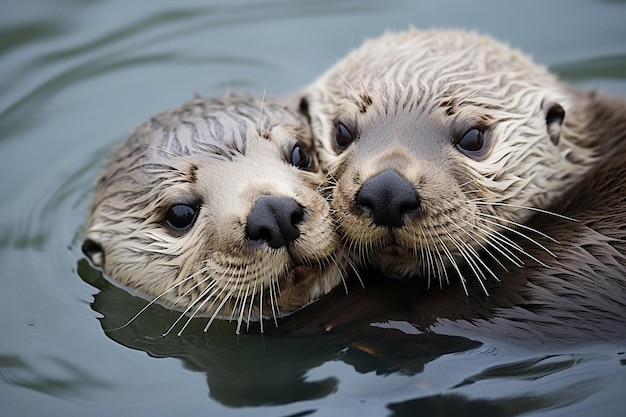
(441, 145)
(212, 209)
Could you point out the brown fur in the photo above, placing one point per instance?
(567, 280)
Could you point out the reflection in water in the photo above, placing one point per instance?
(254, 369)
(242, 370)
(21, 35)
(534, 390)
(609, 67)
(68, 380)
(270, 369)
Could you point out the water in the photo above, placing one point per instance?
(76, 77)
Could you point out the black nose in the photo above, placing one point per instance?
(388, 198)
(274, 220)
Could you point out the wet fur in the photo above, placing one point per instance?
(537, 223)
(221, 155)
(423, 90)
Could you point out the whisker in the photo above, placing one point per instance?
(421, 254)
(551, 213)
(271, 124)
(261, 307)
(454, 265)
(219, 307)
(251, 305)
(203, 301)
(260, 126)
(238, 300)
(354, 91)
(520, 225)
(356, 273)
(425, 256)
(209, 294)
(155, 300)
(470, 262)
(242, 311)
(190, 307)
(525, 237)
(273, 301)
(482, 246)
(365, 96)
(442, 263)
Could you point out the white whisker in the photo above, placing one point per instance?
(273, 301)
(219, 308)
(251, 305)
(551, 213)
(261, 307)
(520, 225)
(482, 246)
(154, 301)
(454, 265)
(442, 263)
(191, 306)
(242, 311)
(470, 262)
(525, 237)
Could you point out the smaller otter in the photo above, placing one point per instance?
(455, 156)
(212, 208)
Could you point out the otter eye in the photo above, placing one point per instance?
(472, 142)
(343, 136)
(181, 217)
(300, 157)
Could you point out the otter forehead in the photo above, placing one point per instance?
(419, 133)
(220, 129)
(431, 69)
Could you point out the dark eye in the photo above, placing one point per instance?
(343, 136)
(300, 158)
(181, 217)
(472, 142)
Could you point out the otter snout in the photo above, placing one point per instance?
(274, 220)
(388, 199)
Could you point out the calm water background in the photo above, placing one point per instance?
(77, 76)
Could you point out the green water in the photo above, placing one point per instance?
(77, 76)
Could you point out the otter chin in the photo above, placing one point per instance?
(213, 209)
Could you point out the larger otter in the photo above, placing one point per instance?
(212, 208)
(457, 156)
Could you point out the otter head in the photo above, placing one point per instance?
(442, 143)
(212, 209)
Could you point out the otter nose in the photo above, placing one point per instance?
(274, 220)
(388, 198)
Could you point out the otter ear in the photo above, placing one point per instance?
(94, 251)
(297, 101)
(554, 114)
(303, 107)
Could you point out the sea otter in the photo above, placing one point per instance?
(456, 158)
(212, 209)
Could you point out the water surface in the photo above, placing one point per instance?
(76, 77)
